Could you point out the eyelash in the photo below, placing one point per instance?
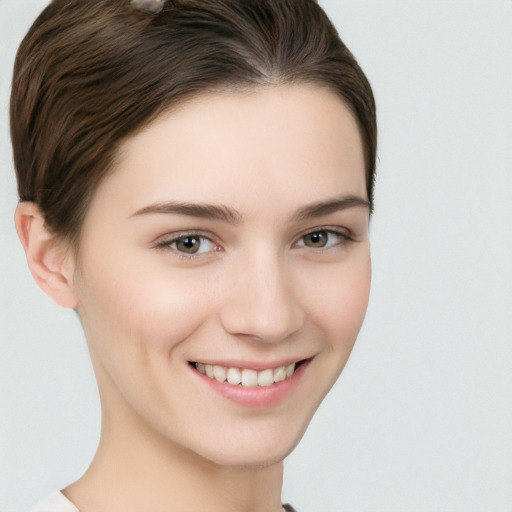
(167, 244)
(342, 238)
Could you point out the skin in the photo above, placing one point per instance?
(260, 290)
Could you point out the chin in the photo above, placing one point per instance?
(259, 446)
(246, 459)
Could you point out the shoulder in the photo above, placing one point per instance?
(56, 502)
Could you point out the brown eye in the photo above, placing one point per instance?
(188, 244)
(317, 239)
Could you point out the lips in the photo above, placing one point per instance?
(246, 377)
(252, 385)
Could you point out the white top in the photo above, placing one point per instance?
(56, 502)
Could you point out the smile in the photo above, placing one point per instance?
(246, 377)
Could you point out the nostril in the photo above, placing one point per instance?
(260, 320)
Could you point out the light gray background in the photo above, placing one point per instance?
(421, 419)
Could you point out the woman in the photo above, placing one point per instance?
(195, 181)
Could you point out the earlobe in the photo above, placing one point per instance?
(48, 256)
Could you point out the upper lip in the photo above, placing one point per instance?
(252, 365)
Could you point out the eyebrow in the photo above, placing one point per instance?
(232, 216)
(200, 210)
(320, 208)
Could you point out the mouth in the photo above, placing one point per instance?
(247, 377)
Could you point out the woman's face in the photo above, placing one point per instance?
(230, 243)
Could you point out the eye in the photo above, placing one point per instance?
(318, 239)
(322, 239)
(189, 244)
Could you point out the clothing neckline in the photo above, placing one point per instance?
(58, 498)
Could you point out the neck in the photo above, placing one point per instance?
(136, 470)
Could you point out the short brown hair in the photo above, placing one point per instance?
(91, 72)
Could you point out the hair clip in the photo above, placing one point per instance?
(148, 6)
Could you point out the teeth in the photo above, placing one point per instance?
(246, 377)
(266, 378)
(234, 376)
(249, 378)
(279, 374)
(219, 372)
(290, 369)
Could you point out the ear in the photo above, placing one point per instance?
(49, 259)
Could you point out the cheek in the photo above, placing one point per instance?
(137, 323)
(148, 309)
(340, 304)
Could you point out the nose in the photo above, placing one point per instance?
(262, 301)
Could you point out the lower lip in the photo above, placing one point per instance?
(259, 396)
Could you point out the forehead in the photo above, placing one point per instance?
(289, 141)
